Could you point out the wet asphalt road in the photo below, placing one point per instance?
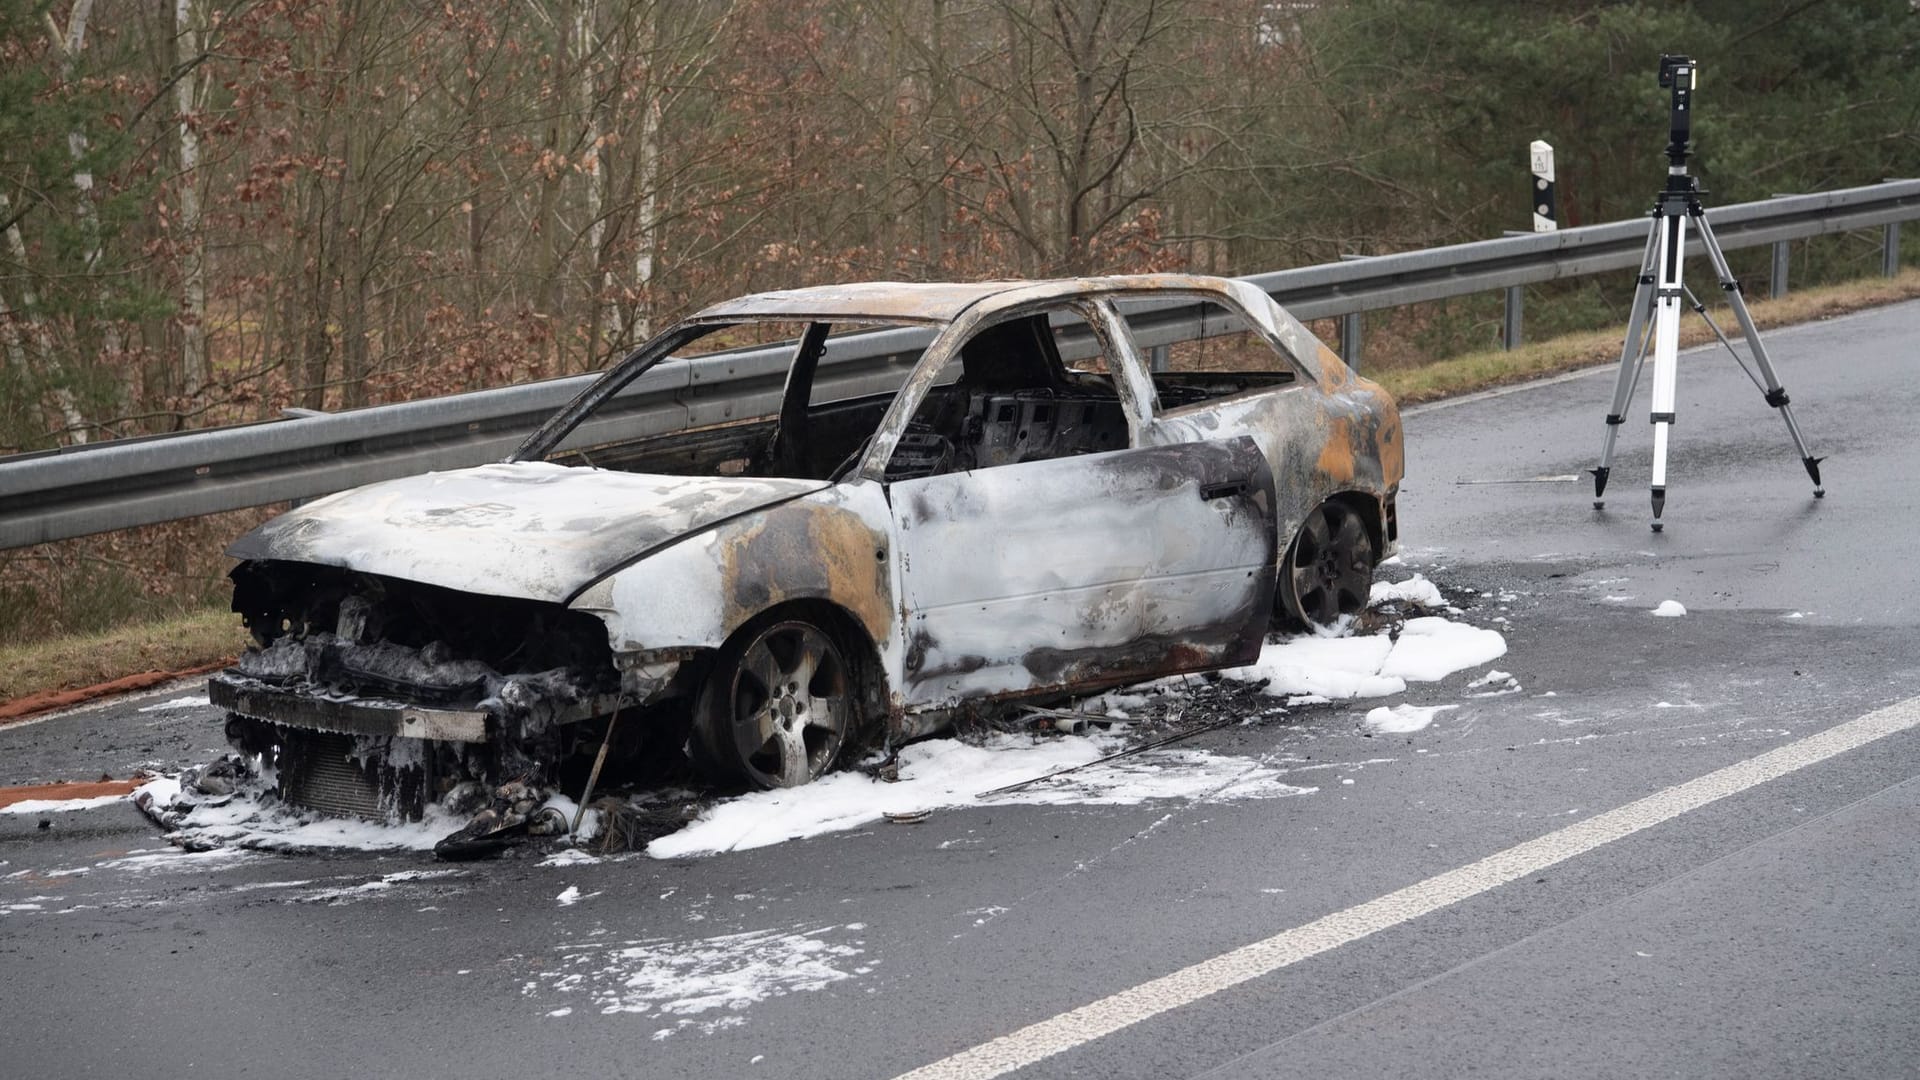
(1773, 933)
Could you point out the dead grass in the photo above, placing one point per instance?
(195, 639)
(1478, 371)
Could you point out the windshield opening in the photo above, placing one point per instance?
(755, 397)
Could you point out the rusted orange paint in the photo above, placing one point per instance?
(853, 558)
(1393, 450)
(821, 553)
(1336, 461)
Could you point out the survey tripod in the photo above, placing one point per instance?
(1660, 292)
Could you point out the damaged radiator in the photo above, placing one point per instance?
(326, 778)
(344, 776)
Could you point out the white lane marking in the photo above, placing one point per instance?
(1043, 1040)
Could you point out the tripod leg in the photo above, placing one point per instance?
(1632, 355)
(1775, 394)
(1666, 350)
(1700, 309)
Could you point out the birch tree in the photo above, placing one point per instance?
(189, 98)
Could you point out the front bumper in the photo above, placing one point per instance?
(260, 700)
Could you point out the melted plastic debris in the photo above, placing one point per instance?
(689, 981)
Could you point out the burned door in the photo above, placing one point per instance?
(1082, 569)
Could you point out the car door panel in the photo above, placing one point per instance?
(1086, 570)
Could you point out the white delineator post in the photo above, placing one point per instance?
(1545, 219)
(1546, 214)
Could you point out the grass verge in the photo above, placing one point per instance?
(1533, 360)
(204, 637)
(192, 640)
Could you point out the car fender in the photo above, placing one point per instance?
(832, 546)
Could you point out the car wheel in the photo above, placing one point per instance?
(1328, 570)
(776, 707)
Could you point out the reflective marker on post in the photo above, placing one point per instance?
(1546, 217)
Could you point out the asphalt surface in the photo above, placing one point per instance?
(1771, 933)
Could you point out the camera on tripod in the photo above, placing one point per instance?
(1658, 299)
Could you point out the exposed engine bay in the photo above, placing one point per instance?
(370, 696)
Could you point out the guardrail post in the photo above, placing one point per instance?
(1350, 326)
(1779, 286)
(1890, 254)
(1160, 358)
(1510, 332)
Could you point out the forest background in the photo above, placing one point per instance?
(214, 210)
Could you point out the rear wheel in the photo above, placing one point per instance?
(1328, 570)
(777, 706)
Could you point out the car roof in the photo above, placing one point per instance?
(941, 302)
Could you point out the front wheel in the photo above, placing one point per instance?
(776, 708)
(1328, 569)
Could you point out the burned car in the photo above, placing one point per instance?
(1036, 504)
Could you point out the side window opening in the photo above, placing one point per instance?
(1013, 401)
(1230, 358)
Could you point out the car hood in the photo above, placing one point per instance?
(525, 529)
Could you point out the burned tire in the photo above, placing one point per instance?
(1328, 569)
(777, 706)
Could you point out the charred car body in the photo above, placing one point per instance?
(764, 591)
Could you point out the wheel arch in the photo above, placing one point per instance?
(1369, 507)
(1290, 612)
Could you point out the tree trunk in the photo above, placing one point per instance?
(593, 174)
(193, 249)
(42, 340)
(70, 45)
(647, 227)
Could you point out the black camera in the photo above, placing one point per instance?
(1678, 74)
(1676, 71)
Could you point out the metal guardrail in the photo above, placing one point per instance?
(99, 487)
